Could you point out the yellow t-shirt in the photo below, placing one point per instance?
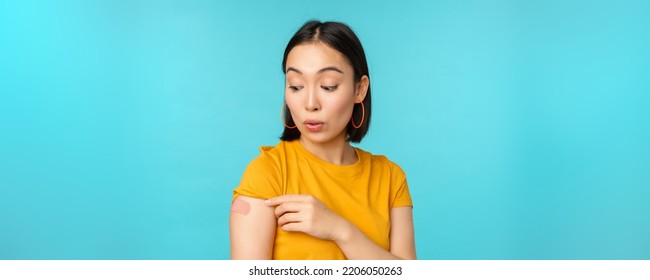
(363, 193)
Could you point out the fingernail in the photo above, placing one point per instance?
(268, 201)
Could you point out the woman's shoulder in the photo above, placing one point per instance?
(267, 164)
(266, 149)
(271, 148)
(269, 154)
(381, 161)
(263, 174)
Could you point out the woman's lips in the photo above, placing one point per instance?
(313, 125)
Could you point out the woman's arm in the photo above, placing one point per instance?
(355, 245)
(402, 232)
(305, 213)
(252, 229)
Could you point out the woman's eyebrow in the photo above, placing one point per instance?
(329, 68)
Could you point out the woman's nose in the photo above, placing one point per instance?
(312, 103)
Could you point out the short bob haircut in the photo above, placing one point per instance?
(340, 37)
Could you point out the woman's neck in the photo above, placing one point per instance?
(338, 152)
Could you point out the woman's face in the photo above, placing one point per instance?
(321, 91)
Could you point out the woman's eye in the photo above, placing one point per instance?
(295, 88)
(329, 88)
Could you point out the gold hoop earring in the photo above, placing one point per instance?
(282, 116)
(363, 114)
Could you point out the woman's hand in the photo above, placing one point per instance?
(305, 213)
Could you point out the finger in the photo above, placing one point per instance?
(289, 218)
(286, 198)
(293, 227)
(288, 207)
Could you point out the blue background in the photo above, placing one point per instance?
(523, 126)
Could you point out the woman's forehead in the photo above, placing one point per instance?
(313, 57)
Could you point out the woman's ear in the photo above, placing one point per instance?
(362, 89)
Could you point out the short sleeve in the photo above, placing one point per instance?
(261, 179)
(400, 195)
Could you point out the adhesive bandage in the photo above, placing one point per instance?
(240, 206)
